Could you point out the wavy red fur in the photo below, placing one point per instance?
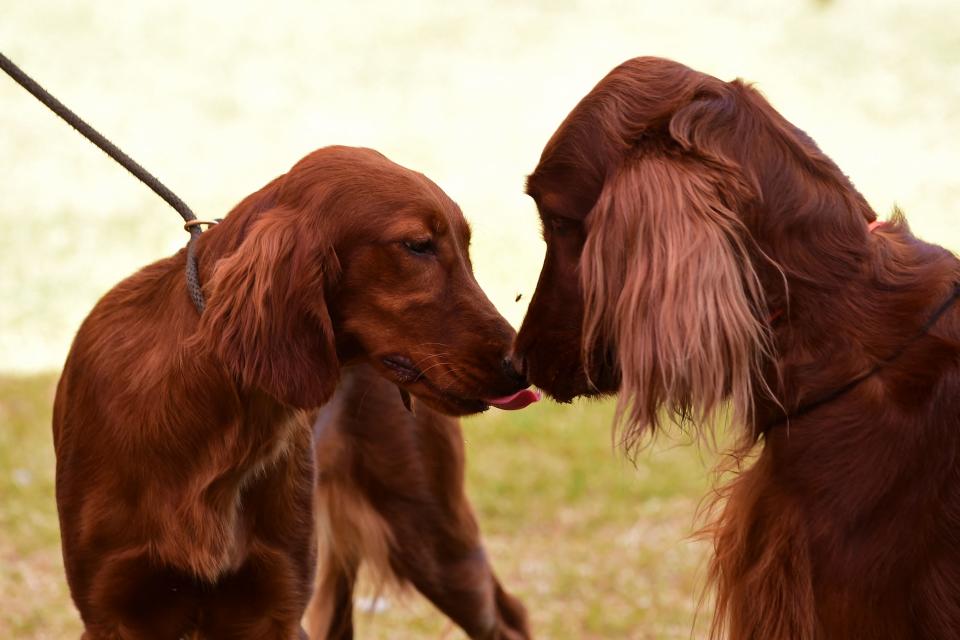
(678, 210)
(185, 462)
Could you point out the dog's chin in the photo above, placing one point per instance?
(565, 386)
(449, 404)
(605, 381)
(401, 371)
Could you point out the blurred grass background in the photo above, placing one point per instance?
(217, 98)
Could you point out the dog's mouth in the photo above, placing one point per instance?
(408, 376)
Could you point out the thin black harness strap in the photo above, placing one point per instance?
(94, 136)
(852, 384)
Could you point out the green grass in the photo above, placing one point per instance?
(596, 547)
(32, 585)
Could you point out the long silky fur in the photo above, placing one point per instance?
(668, 280)
(704, 201)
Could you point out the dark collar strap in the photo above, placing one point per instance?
(839, 392)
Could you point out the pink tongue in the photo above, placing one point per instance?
(518, 400)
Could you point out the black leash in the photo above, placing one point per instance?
(852, 384)
(192, 225)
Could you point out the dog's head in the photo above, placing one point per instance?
(350, 257)
(662, 195)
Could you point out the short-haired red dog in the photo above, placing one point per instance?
(702, 249)
(185, 466)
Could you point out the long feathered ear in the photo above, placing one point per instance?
(266, 317)
(669, 284)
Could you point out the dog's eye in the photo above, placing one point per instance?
(423, 247)
(559, 226)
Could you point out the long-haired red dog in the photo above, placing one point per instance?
(700, 249)
(185, 469)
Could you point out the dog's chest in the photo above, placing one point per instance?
(258, 470)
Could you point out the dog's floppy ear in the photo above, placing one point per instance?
(266, 317)
(668, 281)
(708, 126)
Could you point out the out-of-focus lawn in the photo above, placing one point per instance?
(595, 547)
(219, 97)
(33, 589)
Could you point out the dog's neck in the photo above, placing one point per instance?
(844, 288)
(833, 331)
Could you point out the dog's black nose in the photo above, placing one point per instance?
(513, 368)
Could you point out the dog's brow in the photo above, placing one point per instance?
(438, 224)
(409, 223)
(530, 188)
(553, 204)
(459, 227)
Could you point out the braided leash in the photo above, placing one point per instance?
(192, 225)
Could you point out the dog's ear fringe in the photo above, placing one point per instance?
(670, 286)
(266, 318)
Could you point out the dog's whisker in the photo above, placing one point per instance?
(428, 357)
(435, 365)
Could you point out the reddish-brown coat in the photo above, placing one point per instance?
(185, 474)
(678, 210)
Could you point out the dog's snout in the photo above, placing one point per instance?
(513, 368)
